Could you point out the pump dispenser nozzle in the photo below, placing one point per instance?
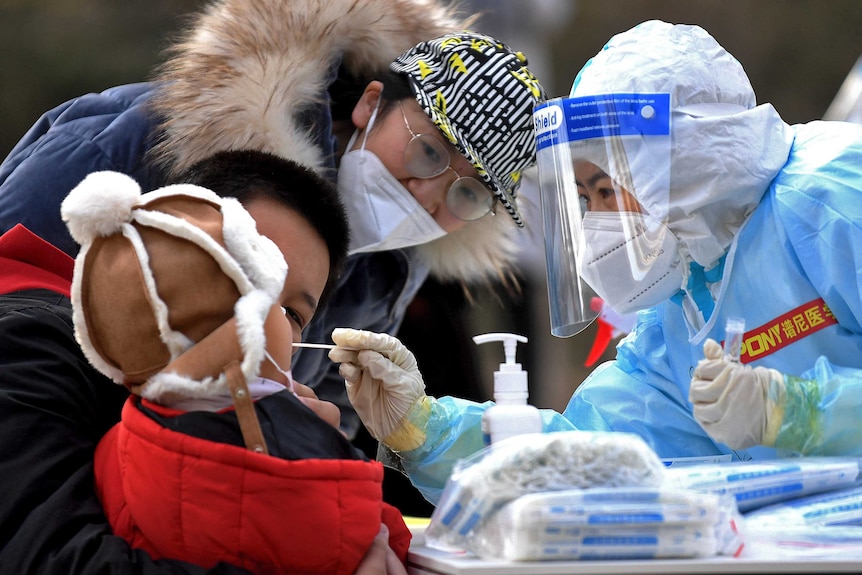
(512, 415)
(510, 344)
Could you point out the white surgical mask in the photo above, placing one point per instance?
(258, 388)
(383, 214)
(291, 384)
(629, 279)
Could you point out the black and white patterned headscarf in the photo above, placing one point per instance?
(480, 94)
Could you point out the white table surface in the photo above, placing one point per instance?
(423, 560)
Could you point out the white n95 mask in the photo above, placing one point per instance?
(631, 262)
(383, 214)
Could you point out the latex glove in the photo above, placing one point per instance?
(738, 405)
(383, 384)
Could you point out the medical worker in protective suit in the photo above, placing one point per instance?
(667, 190)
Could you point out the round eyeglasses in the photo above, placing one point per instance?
(426, 157)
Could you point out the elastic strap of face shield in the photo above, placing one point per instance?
(707, 109)
(619, 160)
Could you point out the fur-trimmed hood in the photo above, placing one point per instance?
(246, 75)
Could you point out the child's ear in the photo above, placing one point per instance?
(366, 104)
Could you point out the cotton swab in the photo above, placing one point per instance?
(315, 345)
(321, 346)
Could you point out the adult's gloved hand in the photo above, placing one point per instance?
(738, 405)
(384, 386)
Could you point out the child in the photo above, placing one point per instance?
(178, 297)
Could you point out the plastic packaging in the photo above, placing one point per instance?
(803, 542)
(825, 525)
(511, 415)
(841, 507)
(534, 463)
(611, 523)
(758, 483)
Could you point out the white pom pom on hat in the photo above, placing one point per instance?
(100, 205)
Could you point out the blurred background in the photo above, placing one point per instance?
(796, 52)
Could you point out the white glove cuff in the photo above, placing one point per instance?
(410, 434)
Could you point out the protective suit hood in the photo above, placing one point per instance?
(725, 150)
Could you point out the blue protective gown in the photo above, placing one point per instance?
(802, 244)
(797, 255)
(770, 214)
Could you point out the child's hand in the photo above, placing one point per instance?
(380, 559)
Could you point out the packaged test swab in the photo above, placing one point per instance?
(758, 483)
(533, 463)
(610, 523)
(635, 543)
(827, 525)
(841, 507)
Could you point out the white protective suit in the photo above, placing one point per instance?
(770, 216)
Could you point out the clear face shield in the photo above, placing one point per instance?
(604, 170)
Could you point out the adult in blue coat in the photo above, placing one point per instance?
(295, 78)
(678, 197)
(426, 143)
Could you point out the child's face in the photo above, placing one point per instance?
(306, 255)
(307, 259)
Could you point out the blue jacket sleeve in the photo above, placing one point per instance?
(107, 131)
(639, 392)
(818, 197)
(454, 431)
(820, 414)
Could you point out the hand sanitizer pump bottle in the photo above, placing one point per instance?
(511, 415)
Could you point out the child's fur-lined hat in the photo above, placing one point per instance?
(158, 272)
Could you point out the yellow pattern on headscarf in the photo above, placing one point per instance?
(457, 63)
(424, 69)
(526, 77)
(440, 104)
(453, 41)
(477, 44)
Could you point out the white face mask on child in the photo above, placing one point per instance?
(288, 374)
(258, 387)
(383, 214)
